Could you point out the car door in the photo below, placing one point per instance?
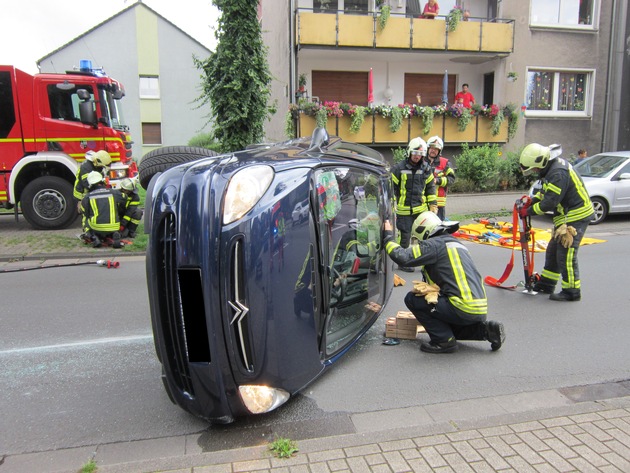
(621, 201)
(354, 268)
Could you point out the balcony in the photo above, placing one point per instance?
(337, 30)
(376, 130)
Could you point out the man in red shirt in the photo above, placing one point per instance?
(464, 97)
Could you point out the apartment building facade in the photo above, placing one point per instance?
(559, 63)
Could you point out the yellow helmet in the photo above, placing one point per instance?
(102, 159)
(534, 156)
(428, 224)
(128, 184)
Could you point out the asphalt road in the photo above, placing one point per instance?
(78, 366)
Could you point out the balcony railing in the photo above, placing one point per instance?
(376, 130)
(336, 29)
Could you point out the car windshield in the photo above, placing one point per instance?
(600, 165)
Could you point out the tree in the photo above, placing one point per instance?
(237, 78)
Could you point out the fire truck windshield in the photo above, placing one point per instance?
(111, 110)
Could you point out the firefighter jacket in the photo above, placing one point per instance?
(129, 210)
(444, 177)
(414, 187)
(81, 185)
(562, 193)
(100, 210)
(445, 261)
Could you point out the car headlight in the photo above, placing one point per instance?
(261, 399)
(245, 189)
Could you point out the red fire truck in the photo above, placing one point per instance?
(47, 124)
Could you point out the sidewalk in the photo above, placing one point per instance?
(575, 429)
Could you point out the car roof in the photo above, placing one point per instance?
(625, 154)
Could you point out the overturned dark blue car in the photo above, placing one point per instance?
(263, 267)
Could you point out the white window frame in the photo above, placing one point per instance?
(149, 87)
(593, 26)
(554, 112)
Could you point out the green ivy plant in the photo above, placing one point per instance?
(358, 117)
(237, 81)
(427, 120)
(497, 121)
(384, 16)
(454, 17)
(464, 120)
(396, 119)
(321, 117)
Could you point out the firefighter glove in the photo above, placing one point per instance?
(429, 291)
(564, 235)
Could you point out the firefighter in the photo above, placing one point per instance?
(562, 192)
(100, 212)
(94, 161)
(451, 302)
(442, 172)
(129, 209)
(414, 190)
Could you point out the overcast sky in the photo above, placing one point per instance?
(30, 29)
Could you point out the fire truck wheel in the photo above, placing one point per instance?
(47, 203)
(161, 159)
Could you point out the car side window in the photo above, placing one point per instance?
(350, 224)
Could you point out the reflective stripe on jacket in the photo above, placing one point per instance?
(447, 263)
(414, 187)
(100, 210)
(563, 192)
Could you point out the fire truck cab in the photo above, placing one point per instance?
(47, 124)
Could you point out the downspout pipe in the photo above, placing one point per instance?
(292, 52)
(612, 46)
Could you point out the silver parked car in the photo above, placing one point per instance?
(607, 180)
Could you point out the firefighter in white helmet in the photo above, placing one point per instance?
(451, 302)
(414, 190)
(129, 209)
(442, 171)
(99, 207)
(94, 161)
(564, 194)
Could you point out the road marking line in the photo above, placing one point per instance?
(86, 343)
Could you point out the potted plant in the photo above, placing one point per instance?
(512, 76)
(302, 83)
(454, 17)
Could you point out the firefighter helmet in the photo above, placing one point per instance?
(94, 178)
(90, 155)
(534, 156)
(428, 225)
(102, 158)
(435, 142)
(417, 144)
(128, 185)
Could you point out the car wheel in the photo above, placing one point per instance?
(47, 203)
(161, 159)
(601, 210)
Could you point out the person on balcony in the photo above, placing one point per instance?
(414, 190)
(431, 10)
(465, 98)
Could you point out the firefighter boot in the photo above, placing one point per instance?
(117, 243)
(544, 288)
(567, 295)
(448, 346)
(495, 334)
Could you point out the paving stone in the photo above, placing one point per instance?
(433, 457)
(467, 451)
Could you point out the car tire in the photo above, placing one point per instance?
(47, 203)
(601, 210)
(161, 159)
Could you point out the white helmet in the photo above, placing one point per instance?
(435, 142)
(417, 144)
(90, 155)
(94, 178)
(428, 224)
(128, 184)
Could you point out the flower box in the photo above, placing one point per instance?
(417, 127)
(364, 135)
(383, 134)
(452, 133)
(484, 130)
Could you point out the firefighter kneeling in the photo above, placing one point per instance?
(129, 209)
(100, 208)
